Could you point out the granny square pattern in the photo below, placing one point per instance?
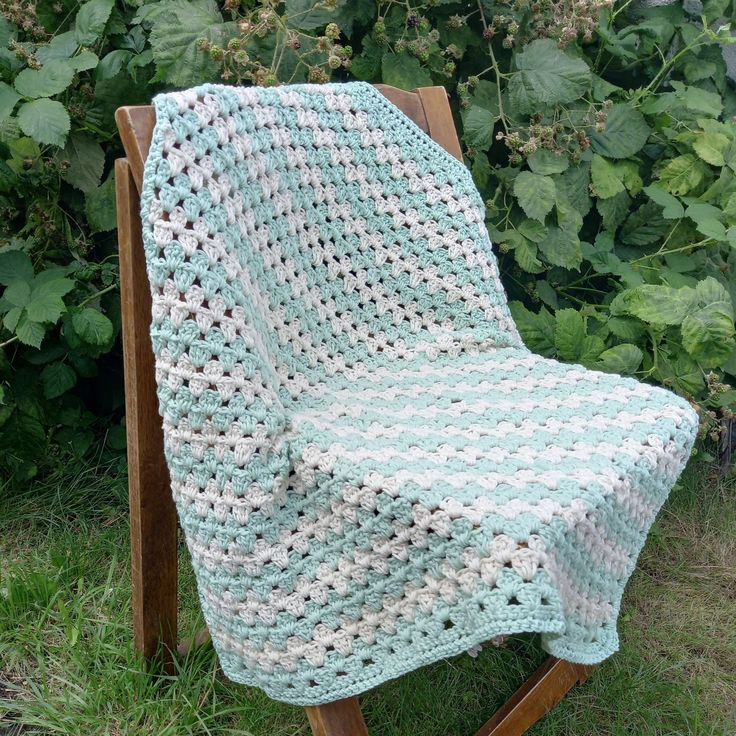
(371, 470)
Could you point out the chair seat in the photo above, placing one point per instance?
(436, 504)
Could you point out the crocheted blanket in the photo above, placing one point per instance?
(371, 470)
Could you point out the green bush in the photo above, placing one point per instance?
(602, 139)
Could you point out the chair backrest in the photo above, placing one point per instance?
(152, 512)
(428, 107)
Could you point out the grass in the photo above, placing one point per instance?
(67, 665)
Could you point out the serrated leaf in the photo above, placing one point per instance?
(57, 379)
(644, 226)
(18, 293)
(15, 265)
(46, 303)
(711, 147)
(613, 211)
(11, 319)
(698, 100)
(546, 162)
(100, 207)
(569, 334)
(112, 63)
(671, 207)
(536, 330)
(624, 359)
(92, 326)
(176, 29)
(478, 127)
(404, 71)
(661, 305)
(533, 230)
(625, 133)
(47, 81)
(626, 328)
(91, 21)
(708, 335)
(525, 254)
(86, 161)
(30, 332)
(605, 178)
(546, 76)
(8, 99)
(60, 47)
(575, 183)
(561, 248)
(46, 121)
(710, 291)
(682, 174)
(535, 194)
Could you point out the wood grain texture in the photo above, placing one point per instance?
(153, 525)
(535, 698)
(341, 718)
(438, 115)
(135, 124)
(408, 102)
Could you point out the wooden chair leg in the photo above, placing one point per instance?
(341, 718)
(535, 698)
(152, 512)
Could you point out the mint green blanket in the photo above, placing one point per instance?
(371, 470)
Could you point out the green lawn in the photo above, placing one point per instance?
(67, 664)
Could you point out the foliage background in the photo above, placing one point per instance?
(601, 136)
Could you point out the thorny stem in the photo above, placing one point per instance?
(496, 69)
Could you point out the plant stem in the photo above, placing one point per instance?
(9, 342)
(496, 70)
(91, 297)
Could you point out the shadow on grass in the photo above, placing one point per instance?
(69, 667)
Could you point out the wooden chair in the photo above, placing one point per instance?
(152, 511)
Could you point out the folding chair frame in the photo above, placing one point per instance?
(153, 519)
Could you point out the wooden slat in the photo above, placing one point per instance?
(408, 102)
(152, 510)
(341, 718)
(440, 124)
(135, 124)
(535, 698)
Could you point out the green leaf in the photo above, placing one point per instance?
(613, 211)
(546, 76)
(111, 64)
(309, 14)
(84, 61)
(46, 304)
(533, 230)
(707, 219)
(44, 82)
(569, 334)
(546, 162)
(478, 127)
(661, 305)
(62, 46)
(575, 183)
(525, 253)
(176, 29)
(15, 265)
(708, 335)
(29, 332)
(698, 100)
(710, 291)
(91, 21)
(682, 174)
(8, 98)
(624, 358)
(92, 326)
(535, 193)
(86, 161)
(561, 248)
(671, 207)
(18, 294)
(57, 379)
(536, 330)
(100, 207)
(644, 226)
(711, 147)
(626, 328)
(46, 121)
(605, 178)
(404, 71)
(625, 133)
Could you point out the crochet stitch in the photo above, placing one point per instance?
(371, 470)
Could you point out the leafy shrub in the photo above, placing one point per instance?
(602, 139)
